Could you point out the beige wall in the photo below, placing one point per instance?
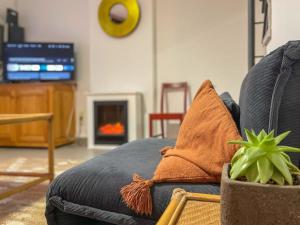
(4, 4)
(260, 49)
(61, 21)
(123, 64)
(200, 39)
(285, 22)
(195, 40)
(105, 64)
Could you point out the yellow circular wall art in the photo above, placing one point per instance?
(118, 18)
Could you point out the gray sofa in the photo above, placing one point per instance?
(92, 190)
(89, 194)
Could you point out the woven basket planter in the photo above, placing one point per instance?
(246, 203)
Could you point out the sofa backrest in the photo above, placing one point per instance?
(270, 95)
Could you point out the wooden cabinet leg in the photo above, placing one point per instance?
(50, 148)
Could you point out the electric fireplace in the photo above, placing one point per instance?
(114, 119)
(111, 122)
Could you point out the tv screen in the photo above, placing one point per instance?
(38, 61)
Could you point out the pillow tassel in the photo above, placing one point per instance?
(137, 195)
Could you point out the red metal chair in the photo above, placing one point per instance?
(162, 116)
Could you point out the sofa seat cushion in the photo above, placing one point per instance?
(92, 189)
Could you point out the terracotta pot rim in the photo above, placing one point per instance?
(225, 178)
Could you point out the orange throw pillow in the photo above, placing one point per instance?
(200, 152)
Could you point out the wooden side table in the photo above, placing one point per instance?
(41, 177)
(191, 209)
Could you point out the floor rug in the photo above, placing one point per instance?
(26, 208)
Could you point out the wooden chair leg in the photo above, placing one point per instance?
(150, 127)
(162, 129)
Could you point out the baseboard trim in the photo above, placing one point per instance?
(81, 141)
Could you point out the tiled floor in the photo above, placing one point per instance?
(27, 208)
(74, 151)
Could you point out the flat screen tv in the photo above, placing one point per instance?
(38, 61)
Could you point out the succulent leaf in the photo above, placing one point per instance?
(252, 174)
(260, 136)
(250, 157)
(288, 149)
(251, 137)
(277, 177)
(282, 136)
(262, 160)
(265, 169)
(270, 135)
(279, 162)
(253, 132)
(268, 144)
(238, 154)
(236, 171)
(263, 133)
(291, 166)
(286, 156)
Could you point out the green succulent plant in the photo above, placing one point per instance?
(262, 160)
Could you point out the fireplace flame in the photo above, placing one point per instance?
(112, 129)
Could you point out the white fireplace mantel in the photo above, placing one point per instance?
(135, 116)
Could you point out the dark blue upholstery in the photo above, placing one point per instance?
(270, 95)
(232, 106)
(92, 189)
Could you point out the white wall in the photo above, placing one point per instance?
(200, 39)
(123, 64)
(196, 40)
(105, 64)
(61, 21)
(285, 22)
(4, 4)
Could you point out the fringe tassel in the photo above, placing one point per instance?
(164, 150)
(137, 195)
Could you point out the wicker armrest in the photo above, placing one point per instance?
(191, 208)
